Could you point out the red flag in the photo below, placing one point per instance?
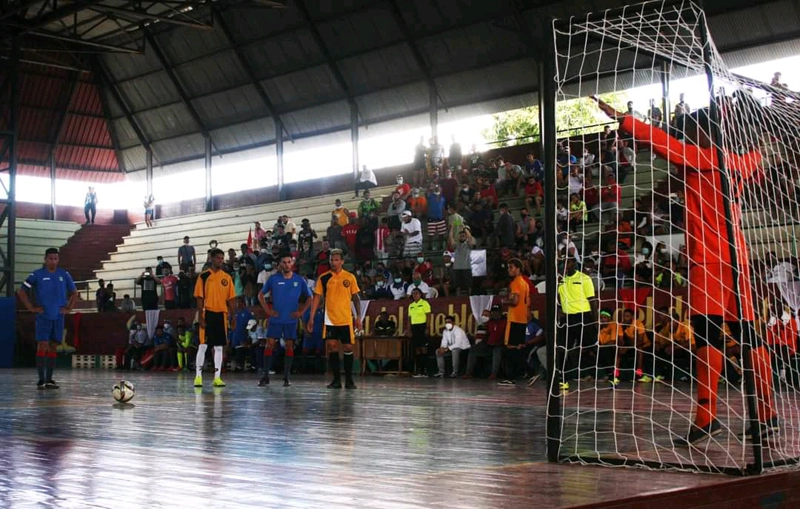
(250, 240)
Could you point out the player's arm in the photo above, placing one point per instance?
(23, 297)
(314, 307)
(73, 298)
(357, 303)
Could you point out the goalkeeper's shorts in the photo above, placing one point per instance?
(712, 292)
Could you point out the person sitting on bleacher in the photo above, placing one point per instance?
(340, 214)
(418, 283)
(454, 341)
(494, 325)
(163, 344)
(385, 326)
(334, 235)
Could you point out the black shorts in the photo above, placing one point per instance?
(418, 337)
(215, 333)
(515, 333)
(342, 333)
(169, 304)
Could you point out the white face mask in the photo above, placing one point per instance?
(399, 181)
(484, 319)
(448, 326)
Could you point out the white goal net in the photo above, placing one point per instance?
(684, 214)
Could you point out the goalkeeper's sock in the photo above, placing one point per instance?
(180, 360)
(763, 378)
(709, 367)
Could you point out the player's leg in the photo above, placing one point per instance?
(56, 337)
(267, 360)
(42, 348)
(333, 358)
(200, 358)
(288, 358)
(708, 334)
(348, 340)
(762, 371)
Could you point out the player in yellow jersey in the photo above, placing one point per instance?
(215, 297)
(336, 290)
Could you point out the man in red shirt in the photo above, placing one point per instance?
(169, 283)
(712, 293)
(403, 189)
(491, 343)
(349, 232)
(610, 197)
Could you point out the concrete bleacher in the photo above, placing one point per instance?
(228, 227)
(33, 236)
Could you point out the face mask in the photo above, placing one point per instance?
(465, 189)
(420, 260)
(417, 283)
(663, 250)
(398, 280)
(484, 319)
(447, 264)
(540, 242)
(399, 181)
(160, 263)
(645, 251)
(448, 326)
(437, 193)
(338, 206)
(415, 195)
(267, 266)
(379, 284)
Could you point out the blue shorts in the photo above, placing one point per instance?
(148, 212)
(50, 330)
(282, 330)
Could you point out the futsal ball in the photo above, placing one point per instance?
(123, 391)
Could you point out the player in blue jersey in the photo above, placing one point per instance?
(55, 296)
(289, 299)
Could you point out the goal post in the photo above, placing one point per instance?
(686, 225)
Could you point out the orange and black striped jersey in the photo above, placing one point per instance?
(337, 291)
(216, 289)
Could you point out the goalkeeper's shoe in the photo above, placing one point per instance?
(659, 378)
(218, 382)
(564, 386)
(614, 382)
(766, 429)
(198, 381)
(697, 434)
(645, 379)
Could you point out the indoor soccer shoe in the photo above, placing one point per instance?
(644, 379)
(533, 380)
(659, 378)
(50, 384)
(198, 381)
(264, 381)
(336, 384)
(350, 385)
(614, 382)
(286, 383)
(40, 385)
(564, 386)
(218, 382)
(697, 435)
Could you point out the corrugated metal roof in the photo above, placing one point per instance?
(472, 49)
(102, 177)
(80, 130)
(380, 69)
(303, 88)
(215, 73)
(231, 107)
(134, 157)
(70, 156)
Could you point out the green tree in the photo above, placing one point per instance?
(573, 117)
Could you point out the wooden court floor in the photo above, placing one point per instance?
(392, 443)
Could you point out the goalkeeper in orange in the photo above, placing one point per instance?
(712, 294)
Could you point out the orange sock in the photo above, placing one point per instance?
(762, 371)
(709, 367)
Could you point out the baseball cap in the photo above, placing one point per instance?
(407, 213)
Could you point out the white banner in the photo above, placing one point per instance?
(479, 304)
(477, 260)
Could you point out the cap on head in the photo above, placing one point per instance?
(407, 213)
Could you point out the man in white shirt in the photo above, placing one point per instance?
(266, 272)
(366, 180)
(412, 231)
(417, 282)
(454, 341)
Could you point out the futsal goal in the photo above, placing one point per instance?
(687, 224)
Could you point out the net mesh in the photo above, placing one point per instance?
(685, 220)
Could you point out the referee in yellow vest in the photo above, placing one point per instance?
(578, 308)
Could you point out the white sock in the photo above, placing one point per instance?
(200, 360)
(217, 361)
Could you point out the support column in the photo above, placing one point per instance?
(434, 109)
(209, 196)
(665, 104)
(279, 156)
(52, 185)
(149, 171)
(10, 211)
(548, 135)
(354, 137)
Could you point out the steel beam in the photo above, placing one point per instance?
(323, 47)
(149, 172)
(279, 156)
(134, 15)
(102, 76)
(112, 129)
(250, 71)
(10, 211)
(62, 117)
(354, 137)
(209, 191)
(53, 186)
(162, 58)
